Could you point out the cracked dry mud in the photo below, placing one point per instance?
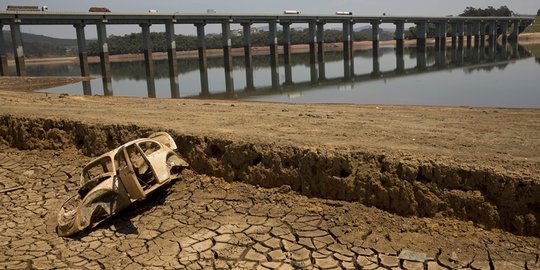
(205, 222)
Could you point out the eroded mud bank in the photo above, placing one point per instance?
(418, 187)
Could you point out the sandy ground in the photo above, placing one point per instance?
(24, 84)
(503, 139)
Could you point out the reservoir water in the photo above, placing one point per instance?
(481, 77)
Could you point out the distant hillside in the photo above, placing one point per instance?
(42, 46)
(383, 33)
(535, 27)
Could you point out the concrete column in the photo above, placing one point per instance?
(482, 34)
(504, 30)
(469, 34)
(437, 35)
(492, 31)
(476, 33)
(347, 51)
(3, 54)
(287, 52)
(454, 34)
(441, 34)
(203, 60)
(312, 52)
(515, 33)
(351, 47)
(248, 58)
(148, 60)
(83, 58)
(18, 51)
(272, 43)
(320, 50)
(399, 36)
(227, 56)
(375, 36)
(421, 34)
(460, 33)
(173, 63)
(104, 59)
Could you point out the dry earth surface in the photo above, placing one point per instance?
(434, 166)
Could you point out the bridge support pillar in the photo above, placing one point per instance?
(504, 30)
(347, 51)
(492, 31)
(460, 29)
(515, 32)
(173, 63)
(3, 54)
(312, 52)
(203, 60)
(248, 58)
(287, 52)
(320, 50)
(227, 56)
(482, 34)
(83, 58)
(148, 60)
(399, 37)
(351, 46)
(469, 34)
(375, 37)
(440, 40)
(421, 34)
(18, 51)
(274, 60)
(476, 33)
(454, 34)
(104, 59)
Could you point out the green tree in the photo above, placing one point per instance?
(490, 11)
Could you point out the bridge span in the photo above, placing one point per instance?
(474, 29)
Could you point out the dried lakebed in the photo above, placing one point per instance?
(206, 222)
(337, 185)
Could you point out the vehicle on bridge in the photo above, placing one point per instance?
(27, 8)
(99, 9)
(118, 178)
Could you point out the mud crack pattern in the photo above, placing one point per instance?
(203, 222)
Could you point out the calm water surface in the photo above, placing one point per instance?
(486, 77)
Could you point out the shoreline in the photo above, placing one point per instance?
(524, 38)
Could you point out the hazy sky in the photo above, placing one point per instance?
(358, 7)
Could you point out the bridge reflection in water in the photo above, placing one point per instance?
(299, 74)
(432, 59)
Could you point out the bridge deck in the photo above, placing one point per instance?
(45, 17)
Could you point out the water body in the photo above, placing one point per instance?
(493, 76)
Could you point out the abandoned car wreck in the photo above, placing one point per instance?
(118, 178)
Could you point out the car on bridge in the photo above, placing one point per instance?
(118, 178)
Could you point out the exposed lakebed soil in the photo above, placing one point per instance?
(429, 164)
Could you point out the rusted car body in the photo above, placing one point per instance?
(118, 178)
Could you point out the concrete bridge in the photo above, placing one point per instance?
(475, 29)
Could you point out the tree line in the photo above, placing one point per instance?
(490, 11)
(132, 43)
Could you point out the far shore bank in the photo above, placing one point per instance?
(524, 38)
